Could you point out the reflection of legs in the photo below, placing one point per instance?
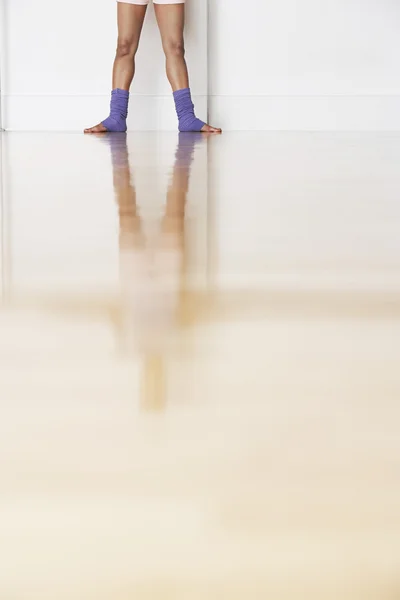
(129, 221)
(130, 23)
(171, 20)
(137, 292)
(132, 259)
(172, 237)
(174, 218)
(154, 382)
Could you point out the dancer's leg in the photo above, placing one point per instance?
(171, 21)
(130, 23)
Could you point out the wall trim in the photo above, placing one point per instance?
(74, 112)
(306, 113)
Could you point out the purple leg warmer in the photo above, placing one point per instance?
(116, 122)
(185, 111)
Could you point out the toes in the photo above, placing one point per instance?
(209, 129)
(97, 129)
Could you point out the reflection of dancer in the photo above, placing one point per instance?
(151, 265)
(170, 16)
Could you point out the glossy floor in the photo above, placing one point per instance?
(199, 367)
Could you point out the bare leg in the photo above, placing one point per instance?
(130, 23)
(171, 22)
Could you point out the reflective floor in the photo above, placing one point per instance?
(199, 367)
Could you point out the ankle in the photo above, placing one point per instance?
(187, 120)
(116, 122)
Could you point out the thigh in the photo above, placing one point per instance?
(171, 20)
(130, 18)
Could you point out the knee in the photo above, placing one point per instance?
(126, 47)
(174, 48)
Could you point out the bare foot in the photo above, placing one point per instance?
(209, 129)
(97, 129)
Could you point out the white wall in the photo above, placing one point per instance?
(58, 61)
(287, 64)
(305, 64)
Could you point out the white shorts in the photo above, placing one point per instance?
(144, 2)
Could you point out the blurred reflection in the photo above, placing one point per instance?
(273, 473)
(152, 273)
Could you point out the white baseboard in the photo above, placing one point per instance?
(232, 113)
(75, 112)
(306, 113)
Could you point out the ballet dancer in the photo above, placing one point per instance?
(170, 15)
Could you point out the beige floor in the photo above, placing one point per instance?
(199, 367)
